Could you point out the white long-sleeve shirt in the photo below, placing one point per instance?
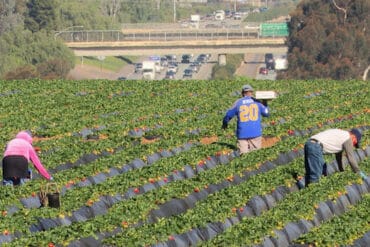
(335, 141)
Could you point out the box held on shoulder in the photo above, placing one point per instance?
(266, 95)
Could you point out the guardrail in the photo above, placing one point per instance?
(168, 35)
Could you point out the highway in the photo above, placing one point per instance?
(204, 72)
(213, 37)
(231, 38)
(250, 68)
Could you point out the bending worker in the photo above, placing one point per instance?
(249, 112)
(19, 151)
(331, 141)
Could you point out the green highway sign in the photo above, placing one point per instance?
(274, 29)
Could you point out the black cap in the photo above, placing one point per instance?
(358, 135)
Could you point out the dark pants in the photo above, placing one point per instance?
(15, 170)
(314, 162)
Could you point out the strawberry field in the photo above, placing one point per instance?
(146, 163)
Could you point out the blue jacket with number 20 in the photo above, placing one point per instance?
(249, 113)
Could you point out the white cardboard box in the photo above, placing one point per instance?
(265, 95)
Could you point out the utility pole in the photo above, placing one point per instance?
(174, 11)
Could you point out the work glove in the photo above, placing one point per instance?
(224, 126)
(363, 175)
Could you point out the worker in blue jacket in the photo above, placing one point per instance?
(249, 112)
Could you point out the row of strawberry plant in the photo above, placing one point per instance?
(191, 188)
(202, 216)
(295, 207)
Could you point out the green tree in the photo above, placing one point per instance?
(329, 39)
(41, 15)
(10, 15)
(22, 48)
(89, 14)
(139, 11)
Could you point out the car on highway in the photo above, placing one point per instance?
(237, 16)
(188, 73)
(197, 64)
(194, 68)
(202, 58)
(186, 58)
(171, 58)
(172, 67)
(263, 71)
(122, 78)
(164, 61)
(170, 74)
(138, 67)
(270, 61)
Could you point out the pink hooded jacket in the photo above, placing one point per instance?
(22, 145)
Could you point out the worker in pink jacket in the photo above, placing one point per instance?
(18, 153)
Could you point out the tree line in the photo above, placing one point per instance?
(329, 39)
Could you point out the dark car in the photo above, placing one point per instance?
(138, 67)
(185, 59)
(194, 68)
(202, 58)
(269, 61)
(170, 74)
(270, 65)
(122, 78)
(188, 73)
(197, 64)
(171, 58)
(269, 57)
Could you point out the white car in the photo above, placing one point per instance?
(237, 16)
(194, 68)
(172, 67)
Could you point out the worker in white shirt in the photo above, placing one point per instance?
(331, 141)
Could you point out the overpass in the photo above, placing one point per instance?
(161, 42)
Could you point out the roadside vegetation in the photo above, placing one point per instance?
(224, 72)
(108, 63)
(271, 14)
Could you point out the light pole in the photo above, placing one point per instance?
(174, 11)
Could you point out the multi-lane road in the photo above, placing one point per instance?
(203, 73)
(249, 68)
